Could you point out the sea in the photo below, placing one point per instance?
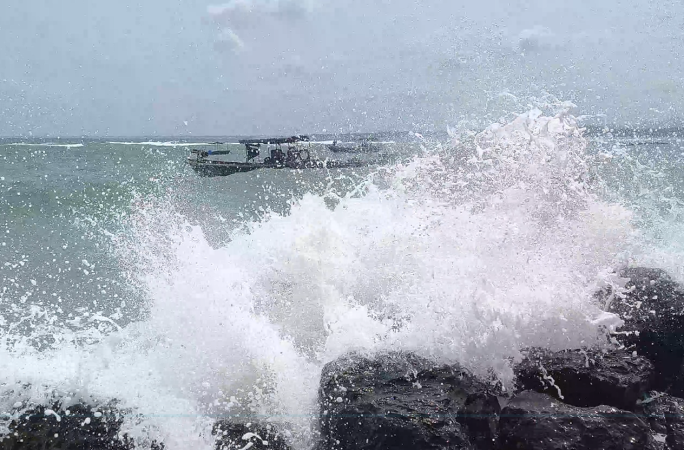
(127, 278)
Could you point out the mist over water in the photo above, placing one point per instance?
(188, 298)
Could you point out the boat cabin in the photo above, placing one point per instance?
(295, 151)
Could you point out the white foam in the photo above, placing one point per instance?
(26, 144)
(350, 142)
(163, 144)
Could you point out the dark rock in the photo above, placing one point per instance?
(235, 436)
(401, 401)
(587, 377)
(653, 311)
(480, 415)
(665, 414)
(534, 421)
(76, 427)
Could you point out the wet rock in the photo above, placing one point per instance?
(400, 401)
(588, 377)
(653, 311)
(76, 427)
(480, 415)
(665, 415)
(237, 436)
(534, 421)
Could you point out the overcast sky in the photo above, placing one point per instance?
(177, 67)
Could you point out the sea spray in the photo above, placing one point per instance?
(647, 180)
(468, 253)
(420, 267)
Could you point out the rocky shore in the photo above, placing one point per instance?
(622, 396)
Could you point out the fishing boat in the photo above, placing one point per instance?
(283, 153)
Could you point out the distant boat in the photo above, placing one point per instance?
(365, 146)
(296, 156)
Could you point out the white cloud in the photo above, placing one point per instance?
(243, 17)
(536, 38)
(228, 40)
(245, 12)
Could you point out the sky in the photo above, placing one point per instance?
(245, 67)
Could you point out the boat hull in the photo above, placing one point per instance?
(222, 168)
(210, 168)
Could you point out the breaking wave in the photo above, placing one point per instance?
(162, 144)
(479, 247)
(47, 144)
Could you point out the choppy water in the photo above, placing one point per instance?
(124, 275)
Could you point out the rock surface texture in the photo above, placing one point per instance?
(652, 307)
(76, 427)
(665, 415)
(587, 377)
(237, 436)
(537, 421)
(398, 401)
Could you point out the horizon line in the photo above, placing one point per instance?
(613, 128)
(197, 136)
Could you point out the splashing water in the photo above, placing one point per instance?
(470, 252)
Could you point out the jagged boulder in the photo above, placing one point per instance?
(534, 421)
(77, 427)
(237, 436)
(587, 377)
(653, 311)
(400, 401)
(665, 414)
